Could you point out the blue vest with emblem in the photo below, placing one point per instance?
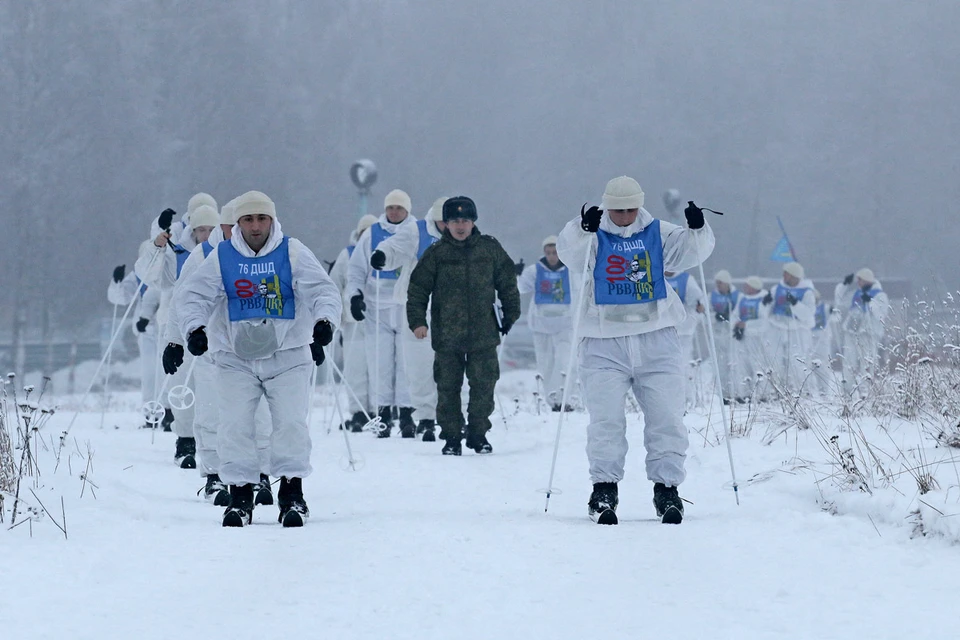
(182, 255)
(553, 287)
(207, 248)
(679, 284)
(377, 235)
(858, 303)
(820, 317)
(724, 302)
(780, 305)
(425, 238)
(142, 289)
(629, 270)
(260, 287)
(749, 308)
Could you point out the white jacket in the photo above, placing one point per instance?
(157, 266)
(338, 273)
(682, 249)
(399, 250)
(171, 332)
(804, 312)
(694, 296)
(400, 245)
(753, 326)
(201, 299)
(548, 318)
(870, 318)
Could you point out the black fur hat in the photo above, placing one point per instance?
(459, 207)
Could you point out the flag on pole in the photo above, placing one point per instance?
(783, 252)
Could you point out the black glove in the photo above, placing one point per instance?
(694, 215)
(590, 218)
(166, 219)
(378, 259)
(519, 267)
(197, 342)
(722, 316)
(119, 272)
(791, 298)
(767, 299)
(505, 327)
(738, 333)
(848, 279)
(172, 358)
(322, 333)
(357, 307)
(316, 352)
(142, 324)
(865, 296)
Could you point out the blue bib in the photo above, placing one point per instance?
(724, 302)
(425, 238)
(553, 287)
(259, 287)
(858, 303)
(679, 284)
(749, 308)
(629, 270)
(207, 248)
(780, 305)
(142, 289)
(820, 317)
(350, 249)
(182, 255)
(377, 235)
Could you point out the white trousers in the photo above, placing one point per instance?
(819, 361)
(690, 369)
(553, 354)
(355, 366)
(418, 370)
(148, 367)
(751, 356)
(723, 337)
(651, 365)
(859, 358)
(182, 418)
(388, 382)
(789, 350)
(283, 380)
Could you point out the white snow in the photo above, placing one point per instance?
(418, 545)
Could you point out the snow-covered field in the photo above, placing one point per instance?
(418, 545)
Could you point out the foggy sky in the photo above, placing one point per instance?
(840, 117)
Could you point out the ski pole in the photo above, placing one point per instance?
(716, 371)
(106, 377)
(376, 351)
(113, 339)
(346, 439)
(371, 422)
(569, 375)
(181, 396)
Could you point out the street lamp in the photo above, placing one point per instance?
(363, 173)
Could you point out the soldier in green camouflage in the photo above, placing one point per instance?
(465, 272)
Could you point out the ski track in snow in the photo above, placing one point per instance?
(419, 545)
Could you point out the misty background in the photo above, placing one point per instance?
(840, 117)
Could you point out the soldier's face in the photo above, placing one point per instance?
(460, 228)
(201, 234)
(550, 253)
(395, 214)
(789, 280)
(227, 231)
(623, 217)
(255, 230)
(722, 287)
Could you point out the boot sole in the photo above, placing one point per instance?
(293, 519)
(188, 462)
(672, 516)
(429, 437)
(607, 516)
(233, 519)
(264, 498)
(220, 499)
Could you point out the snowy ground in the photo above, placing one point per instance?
(417, 545)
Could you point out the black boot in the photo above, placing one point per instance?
(240, 511)
(293, 508)
(425, 427)
(602, 507)
(386, 420)
(167, 422)
(264, 493)
(452, 447)
(668, 504)
(216, 492)
(408, 429)
(357, 421)
(478, 442)
(186, 455)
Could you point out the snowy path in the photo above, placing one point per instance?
(417, 545)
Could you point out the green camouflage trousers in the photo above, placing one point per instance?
(483, 370)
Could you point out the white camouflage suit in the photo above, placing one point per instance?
(552, 327)
(687, 330)
(385, 318)
(122, 293)
(751, 351)
(790, 335)
(863, 328)
(265, 358)
(637, 347)
(353, 333)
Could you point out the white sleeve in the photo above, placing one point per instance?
(359, 267)
(695, 295)
(527, 281)
(805, 311)
(121, 293)
(172, 330)
(401, 248)
(157, 266)
(685, 248)
(574, 244)
(338, 273)
(150, 303)
(312, 284)
(879, 307)
(197, 294)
